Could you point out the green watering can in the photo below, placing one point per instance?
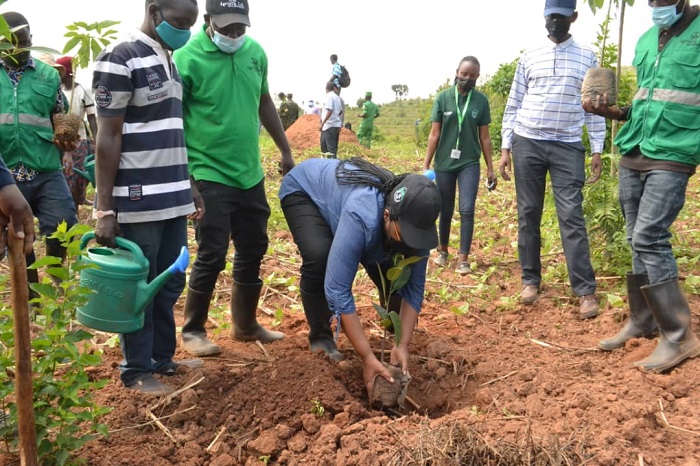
(118, 283)
(89, 172)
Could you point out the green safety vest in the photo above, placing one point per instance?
(665, 117)
(26, 133)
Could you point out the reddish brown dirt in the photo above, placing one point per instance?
(305, 134)
(513, 373)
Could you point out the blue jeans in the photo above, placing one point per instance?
(532, 159)
(650, 203)
(232, 214)
(148, 350)
(52, 203)
(468, 180)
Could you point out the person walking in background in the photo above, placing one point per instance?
(543, 125)
(30, 94)
(346, 213)
(80, 103)
(660, 152)
(370, 111)
(225, 97)
(459, 134)
(143, 187)
(293, 109)
(331, 122)
(284, 111)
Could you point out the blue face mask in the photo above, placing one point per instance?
(226, 44)
(173, 37)
(665, 16)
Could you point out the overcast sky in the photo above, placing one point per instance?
(382, 42)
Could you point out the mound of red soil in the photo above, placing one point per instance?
(305, 134)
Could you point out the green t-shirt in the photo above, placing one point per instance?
(445, 112)
(370, 110)
(220, 103)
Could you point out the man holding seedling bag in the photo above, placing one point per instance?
(660, 146)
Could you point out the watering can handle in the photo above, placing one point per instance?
(180, 265)
(122, 243)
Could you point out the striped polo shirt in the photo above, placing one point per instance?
(135, 79)
(545, 98)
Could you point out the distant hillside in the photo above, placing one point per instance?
(397, 119)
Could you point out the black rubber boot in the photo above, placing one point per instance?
(677, 341)
(641, 322)
(194, 334)
(318, 316)
(244, 305)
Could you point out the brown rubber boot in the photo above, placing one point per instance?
(641, 322)
(318, 315)
(677, 341)
(194, 335)
(244, 305)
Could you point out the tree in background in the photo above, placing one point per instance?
(401, 90)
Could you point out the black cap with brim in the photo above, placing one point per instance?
(416, 204)
(224, 20)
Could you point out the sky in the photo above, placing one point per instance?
(418, 43)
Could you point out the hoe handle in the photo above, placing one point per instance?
(23, 352)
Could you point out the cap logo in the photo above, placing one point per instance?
(399, 194)
(232, 4)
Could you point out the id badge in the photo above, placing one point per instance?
(455, 153)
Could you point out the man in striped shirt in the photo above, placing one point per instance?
(142, 181)
(542, 126)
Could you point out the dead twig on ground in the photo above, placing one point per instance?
(497, 379)
(680, 429)
(138, 426)
(412, 403)
(294, 301)
(262, 348)
(167, 399)
(562, 347)
(161, 426)
(214, 445)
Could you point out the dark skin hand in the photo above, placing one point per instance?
(272, 123)
(16, 214)
(600, 106)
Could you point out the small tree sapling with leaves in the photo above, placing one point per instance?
(396, 277)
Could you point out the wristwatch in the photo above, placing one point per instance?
(104, 213)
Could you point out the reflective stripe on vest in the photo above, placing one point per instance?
(669, 95)
(24, 119)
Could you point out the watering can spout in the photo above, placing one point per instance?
(150, 290)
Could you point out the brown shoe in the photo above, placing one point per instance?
(529, 294)
(588, 308)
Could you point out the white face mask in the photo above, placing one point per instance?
(666, 16)
(226, 44)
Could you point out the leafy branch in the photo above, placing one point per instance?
(396, 277)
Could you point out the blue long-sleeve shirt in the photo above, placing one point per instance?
(355, 215)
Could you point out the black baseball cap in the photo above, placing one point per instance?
(416, 203)
(225, 12)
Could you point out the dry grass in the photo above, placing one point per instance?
(456, 443)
